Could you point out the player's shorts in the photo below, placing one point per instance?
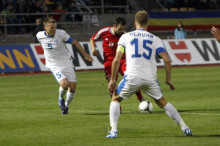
(131, 84)
(68, 73)
(108, 68)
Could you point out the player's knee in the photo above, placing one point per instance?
(116, 97)
(72, 90)
(72, 87)
(64, 87)
(64, 84)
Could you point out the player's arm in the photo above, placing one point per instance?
(115, 66)
(167, 64)
(216, 32)
(79, 47)
(94, 51)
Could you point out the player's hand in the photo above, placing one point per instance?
(170, 83)
(95, 53)
(112, 86)
(215, 31)
(89, 58)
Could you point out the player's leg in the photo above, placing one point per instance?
(114, 113)
(107, 69)
(174, 114)
(139, 96)
(71, 93)
(63, 88)
(71, 76)
(154, 91)
(123, 91)
(62, 92)
(63, 82)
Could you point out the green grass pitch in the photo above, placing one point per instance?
(30, 115)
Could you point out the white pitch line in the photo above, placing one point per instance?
(208, 114)
(94, 111)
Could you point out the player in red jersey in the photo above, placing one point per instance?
(110, 36)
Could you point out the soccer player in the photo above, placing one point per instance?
(140, 48)
(59, 61)
(216, 32)
(110, 36)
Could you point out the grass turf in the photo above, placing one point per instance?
(30, 114)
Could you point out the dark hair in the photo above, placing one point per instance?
(181, 26)
(119, 20)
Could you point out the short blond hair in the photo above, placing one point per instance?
(142, 17)
(49, 20)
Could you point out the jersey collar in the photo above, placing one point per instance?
(47, 35)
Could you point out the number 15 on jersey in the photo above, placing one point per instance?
(144, 45)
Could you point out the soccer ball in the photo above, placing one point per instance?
(145, 107)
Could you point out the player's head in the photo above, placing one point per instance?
(141, 18)
(50, 26)
(119, 26)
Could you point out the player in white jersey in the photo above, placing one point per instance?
(140, 48)
(59, 61)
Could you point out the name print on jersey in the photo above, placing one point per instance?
(141, 34)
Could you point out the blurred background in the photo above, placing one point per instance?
(20, 20)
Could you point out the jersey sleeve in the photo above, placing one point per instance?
(99, 34)
(38, 36)
(159, 46)
(66, 38)
(121, 41)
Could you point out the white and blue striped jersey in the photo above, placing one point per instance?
(141, 47)
(56, 53)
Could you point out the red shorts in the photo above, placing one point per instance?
(108, 68)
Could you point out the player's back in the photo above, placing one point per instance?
(141, 48)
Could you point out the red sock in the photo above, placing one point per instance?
(139, 95)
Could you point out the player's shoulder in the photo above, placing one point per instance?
(41, 34)
(61, 31)
(105, 29)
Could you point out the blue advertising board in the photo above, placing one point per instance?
(17, 58)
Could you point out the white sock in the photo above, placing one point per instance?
(173, 113)
(62, 92)
(69, 98)
(114, 114)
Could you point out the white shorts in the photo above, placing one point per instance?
(131, 84)
(68, 73)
